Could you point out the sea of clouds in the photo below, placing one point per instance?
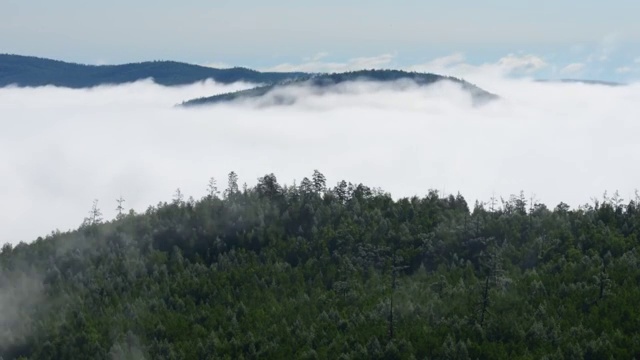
(63, 148)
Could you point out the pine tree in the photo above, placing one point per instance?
(212, 188)
(232, 185)
(95, 215)
(120, 208)
(319, 182)
(178, 197)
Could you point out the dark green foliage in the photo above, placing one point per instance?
(31, 71)
(321, 83)
(286, 272)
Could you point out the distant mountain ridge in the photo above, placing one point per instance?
(583, 81)
(28, 71)
(323, 82)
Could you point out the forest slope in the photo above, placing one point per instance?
(347, 272)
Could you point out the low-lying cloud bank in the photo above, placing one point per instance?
(63, 148)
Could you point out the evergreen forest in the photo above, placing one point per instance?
(318, 271)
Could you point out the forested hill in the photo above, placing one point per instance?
(324, 83)
(317, 272)
(32, 71)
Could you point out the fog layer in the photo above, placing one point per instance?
(62, 148)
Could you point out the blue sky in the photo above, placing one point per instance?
(577, 39)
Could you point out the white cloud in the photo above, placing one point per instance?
(456, 65)
(522, 63)
(637, 60)
(624, 69)
(315, 64)
(447, 61)
(573, 68)
(63, 148)
(218, 65)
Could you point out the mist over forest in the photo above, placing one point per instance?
(362, 215)
(336, 180)
(557, 142)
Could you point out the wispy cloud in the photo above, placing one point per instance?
(315, 64)
(510, 65)
(522, 63)
(455, 59)
(218, 65)
(455, 64)
(573, 68)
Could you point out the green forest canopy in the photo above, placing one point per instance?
(313, 272)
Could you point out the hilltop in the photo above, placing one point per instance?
(323, 83)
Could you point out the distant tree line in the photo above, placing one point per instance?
(32, 71)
